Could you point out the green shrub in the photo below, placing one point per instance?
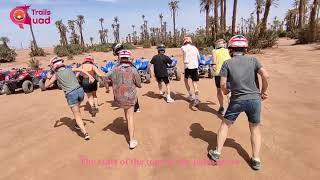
(7, 54)
(304, 36)
(37, 52)
(146, 44)
(100, 48)
(71, 49)
(34, 63)
(282, 33)
(129, 46)
(268, 39)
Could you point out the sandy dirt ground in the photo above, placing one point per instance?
(38, 140)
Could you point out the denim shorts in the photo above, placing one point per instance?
(251, 107)
(75, 97)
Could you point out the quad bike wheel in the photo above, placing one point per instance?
(6, 90)
(210, 72)
(42, 85)
(27, 87)
(177, 74)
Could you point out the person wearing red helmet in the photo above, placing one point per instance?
(191, 58)
(125, 79)
(242, 72)
(68, 82)
(90, 88)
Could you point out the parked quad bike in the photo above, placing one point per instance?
(173, 71)
(110, 65)
(206, 66)
(16, 79)
(143, 67)
(2, 78)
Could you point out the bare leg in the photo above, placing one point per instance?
(77, 115)
(160, 87)
(95, 98)
(220, 97)
(187, 84)
(129, 117)
(90, 99)
(168, 90)
(255, 140)
(222, 134)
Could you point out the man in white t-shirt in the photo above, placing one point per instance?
(191, 58)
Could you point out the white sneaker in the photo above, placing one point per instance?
(133, 144)
(170, 100)
(190, 98)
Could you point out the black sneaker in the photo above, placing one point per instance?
(196, 102)
(86, 137)
(255, 165)
(221, 110)
(93, 111)
(137, 110)
(214, 155)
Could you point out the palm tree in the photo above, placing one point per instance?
(105, 35)
(312, 22)
(302, 5)
(234, 16)
(5, 41)
(80, 22)
(161, 25)
(259, 7)
(63, 32)
(205, 6)
(265, 16)
(101, 23)
(173, 4)
(103, 41)
(221, 15)
(91, 40)
(34, 42)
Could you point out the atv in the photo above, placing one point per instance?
(16, 79)
(143, 67)
(206, 66)
(173, 71)
(3, 74)
(109, 66)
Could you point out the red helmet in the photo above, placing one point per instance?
(187, 39)
(56, 62)
(238, 41)
(125, 56)
(88, 59)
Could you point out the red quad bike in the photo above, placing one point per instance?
(3, 74)
(16, 79)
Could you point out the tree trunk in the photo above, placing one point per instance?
(221, 15)
(301, 15)
(225, 15)
(33, 38)
(265, 17)
(174, 26)
(234, 16)
(207, 20)
(312, 23)
(81, 36)
(258, 14)
(216, 16)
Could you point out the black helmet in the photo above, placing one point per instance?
(116, 47)
(161, 48)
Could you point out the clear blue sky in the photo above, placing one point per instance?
(128, 11)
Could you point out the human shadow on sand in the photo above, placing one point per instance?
(153, 95)
(198, 132)
(70, 123)
(119, 126)
(113, 105)
(87, 106)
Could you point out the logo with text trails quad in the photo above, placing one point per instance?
(19, 15)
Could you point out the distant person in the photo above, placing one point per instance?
(68, 82)
(116, 48)
(220, 55)
(191, 58)
(90, 88)
(125, 78)
(160, 63)
(242, 73)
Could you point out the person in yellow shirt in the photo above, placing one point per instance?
(220, 55)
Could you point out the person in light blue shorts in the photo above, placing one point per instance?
(68, 82)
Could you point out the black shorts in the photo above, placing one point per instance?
(89, 87)
(191, 73)
(163, 79)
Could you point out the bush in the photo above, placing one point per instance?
(7, 54)
(100, 48)
(37, 52)
(70, 50)
(129, 46)
(146, 44)
(282, 33)
(34, 63)
(304, 36)
(268, 39)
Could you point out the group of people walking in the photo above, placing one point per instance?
(235, 74)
